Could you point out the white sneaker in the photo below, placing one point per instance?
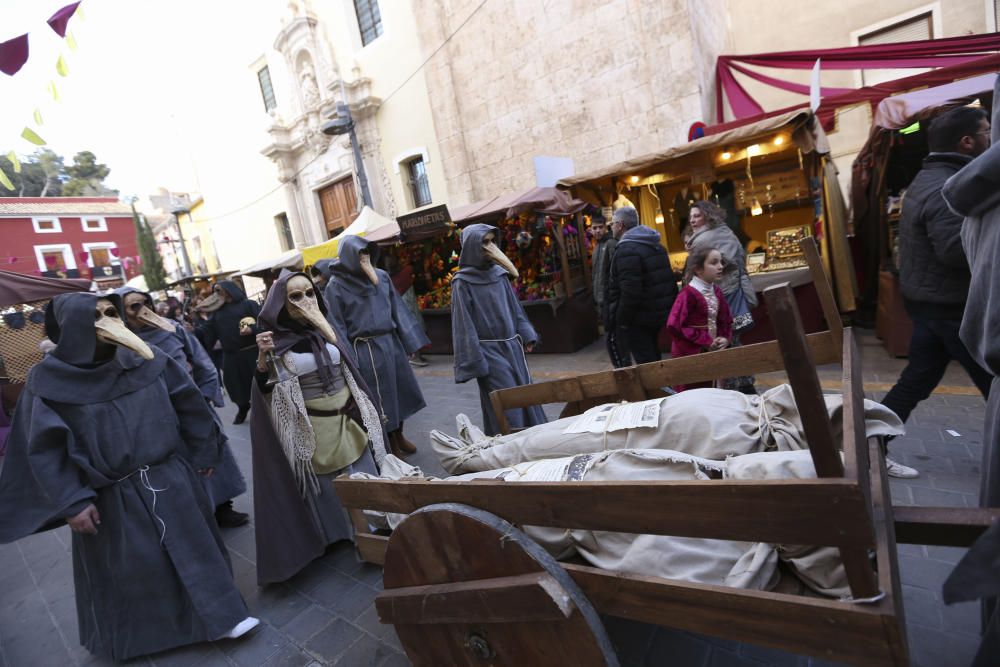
(243, 627)
(896, 469)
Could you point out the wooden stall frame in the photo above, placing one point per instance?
(848, 506)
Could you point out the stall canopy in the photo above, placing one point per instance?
(653, 162)
(900, 111)
(291, 259)
(369, 224)
(17, 288)
(548, 201)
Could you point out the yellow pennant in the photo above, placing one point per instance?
(38, 117)
(61, 67)
(4, 181)
(53, 91)
(32, 136)
(79, 12)
(12, 156)
(71, 41)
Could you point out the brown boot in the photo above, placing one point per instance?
(400, 442)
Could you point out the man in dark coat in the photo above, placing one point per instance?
(489, 328)
(108, 436)
(381, 332)
(934, 273)
(227, 481)
(641, 290)
(234, 325)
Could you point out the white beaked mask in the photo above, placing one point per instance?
(144, 315)
(111, 329)
(366, 265)
(492, 252)
(303, 306)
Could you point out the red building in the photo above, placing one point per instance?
(69, 237)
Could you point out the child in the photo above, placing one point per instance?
(700, 320)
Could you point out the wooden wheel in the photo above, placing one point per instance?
(465, 587)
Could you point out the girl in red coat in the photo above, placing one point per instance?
(700, 320)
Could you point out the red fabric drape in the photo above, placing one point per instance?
(950, 52)
(60, 20)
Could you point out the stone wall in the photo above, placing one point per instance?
(596, 81)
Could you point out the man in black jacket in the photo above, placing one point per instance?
(934, 274)
(641, 290)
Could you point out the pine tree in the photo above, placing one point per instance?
(152, 263)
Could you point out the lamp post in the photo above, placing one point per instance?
(343, 123)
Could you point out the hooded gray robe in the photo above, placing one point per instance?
(974, 192)
(489, 330)
(123, 434)
(227, 481)
(379, 330)
(239, 352)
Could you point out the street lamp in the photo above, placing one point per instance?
(343, 123)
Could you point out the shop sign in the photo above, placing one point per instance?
(423, 224)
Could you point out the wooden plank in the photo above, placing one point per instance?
(629, 384)
(824, 290)
(856, 464)
(802, 376)
(526, 597)
(942, 526)
(894, 623)
(601, 387)
(498, 403)
(830, 629)
(371, 547)
(812, 511)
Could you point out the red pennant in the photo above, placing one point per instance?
(60, 19)
(12, 260)
(50, 260)
(13, 54)
(83, 256)
(113, 251)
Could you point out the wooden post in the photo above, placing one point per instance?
(584, 254)
(824, 289)
(563, 259)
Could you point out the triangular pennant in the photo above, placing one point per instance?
(61, 66)
(53, 91)
(4, 181)
(32, 136)
(12, 156)
(13, 54)
(38, 117)
(60, 19)
(71, 41)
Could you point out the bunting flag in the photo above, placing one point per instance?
(71, 41)
(38, 117)
(61, 66)
(60, 20)
(13, 54)
(4, 181)
(32, 136)
(53, 91)
(12, 156)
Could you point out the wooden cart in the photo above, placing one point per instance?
(463, 586)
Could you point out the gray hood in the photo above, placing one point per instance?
(349, 254)
(640, 234)
(472, 246)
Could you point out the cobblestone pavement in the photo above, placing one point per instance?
(325, 615)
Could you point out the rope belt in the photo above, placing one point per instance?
(367, 340)
(520, 346)
(144, 480)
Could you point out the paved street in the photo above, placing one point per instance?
(325, 615)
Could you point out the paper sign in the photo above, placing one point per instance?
(617, 417)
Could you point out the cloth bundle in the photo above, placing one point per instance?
(698, 560)
(707, 423)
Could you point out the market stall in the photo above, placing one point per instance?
(883, 170)
(541, 231)
(775, 182)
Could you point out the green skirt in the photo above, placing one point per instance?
(340, 441)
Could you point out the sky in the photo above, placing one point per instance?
(151, 88)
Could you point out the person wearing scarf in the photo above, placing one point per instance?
(313, 419)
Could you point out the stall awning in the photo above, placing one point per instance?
(16, 288)
(795, 118)
(369, 224)
(292, 259)
(898, 111)
(550, 201)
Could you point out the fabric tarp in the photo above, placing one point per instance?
(953, 51)
(549, 201)
(898, 111)
(17, 288)
(291, 259)
(369, 224)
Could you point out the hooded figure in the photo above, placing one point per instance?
(381, 333)
(321, 272)
(227, 481)
(232, 324)
(975, 193)
(313, 419)
(108, 436)
(489, 329)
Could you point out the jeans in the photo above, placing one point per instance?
(934, 344)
